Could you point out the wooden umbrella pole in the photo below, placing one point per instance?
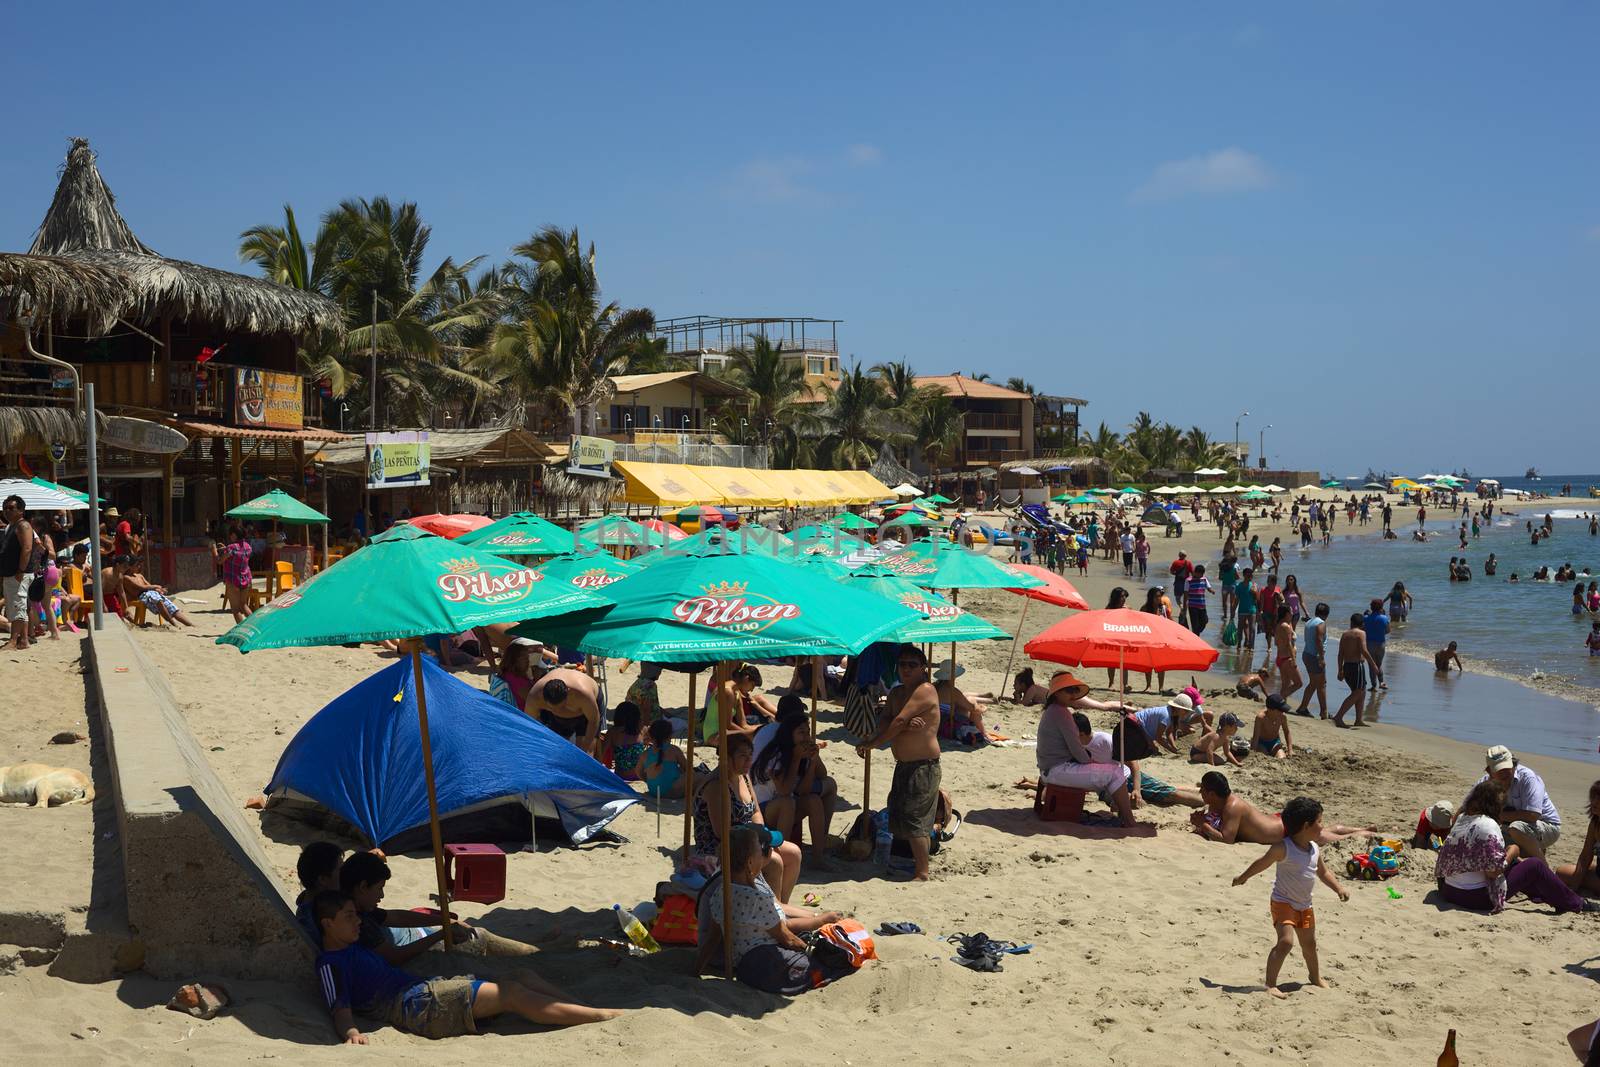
(866, 797)
(955, 598)
(813, 716)
(1005, 679)
(688, 775)
(433, 798)
(725, 831)
(1122, 694)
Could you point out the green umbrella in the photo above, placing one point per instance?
(616, 530)
(521, 534)
(1085, 499)
(820, 562)
(408, 584)
(946, 565)
(276, 505)
(405, 583)
(706, 606)
(1333, 483)
(587, 570)
(939, 498)
(826, 540)
(719, 541)
(910, 518)
(942, 621)
(75, 494)
(849, 520)
(1257, 495)
(1062, 498)
(1124, 489)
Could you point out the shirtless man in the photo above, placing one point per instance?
(1443, 658)
(1270, 735)
(911, 728)
(1231, 819)
(1354, 659)
(137, 589)
(567, 701)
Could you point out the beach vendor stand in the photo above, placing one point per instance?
(404, 585)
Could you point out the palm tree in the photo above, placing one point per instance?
(936, 427)
(774, 388)
(978, 375)
(900, 388)
(1022, 385)
(1199, 450)
(855, 420)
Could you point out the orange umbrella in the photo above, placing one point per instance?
(1055, 590)
(664, 528)
(1120, 638)
(449, 526)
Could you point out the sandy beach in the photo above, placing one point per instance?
(1142, 950)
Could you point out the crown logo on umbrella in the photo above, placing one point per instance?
(726, 589)
(460, 566)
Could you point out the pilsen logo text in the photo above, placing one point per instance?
(594, 579)
(943, 612)
(515, 539)
(466, 581)
(731, 606)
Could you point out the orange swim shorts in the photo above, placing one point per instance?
(1288, 915)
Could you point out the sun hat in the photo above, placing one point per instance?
(111, 513)
(1194, 695)
(1183, 704)
(1498, 758)
(1066, 680)
(943, 673)
(1441, 815)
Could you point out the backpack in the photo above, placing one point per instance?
(676, 922)
(845, 942)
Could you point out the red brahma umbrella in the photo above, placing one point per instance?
(449, 526)
(1055, 590)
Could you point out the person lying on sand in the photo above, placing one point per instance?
(1228, 818)
(354, 979)
(401, 936)
(1215, 747)
(1253, 686)
(1270, 735)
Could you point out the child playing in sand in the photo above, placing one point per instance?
(1254, 685)
(1215, 747)
(356, 979)
(1299, 861)
(1270, 735)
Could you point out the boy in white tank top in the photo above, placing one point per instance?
(1300, 865)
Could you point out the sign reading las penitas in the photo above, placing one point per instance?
(397, 459)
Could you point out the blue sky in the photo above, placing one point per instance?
(1376, 227)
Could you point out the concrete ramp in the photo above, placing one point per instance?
(201, 894)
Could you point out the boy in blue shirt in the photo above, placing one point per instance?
(355, 979)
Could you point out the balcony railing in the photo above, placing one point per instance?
(204, 391)
(984, 420)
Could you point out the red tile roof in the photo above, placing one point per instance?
(961, 385)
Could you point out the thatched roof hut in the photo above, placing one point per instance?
(59, 289)
(889, 470)
(84, 227)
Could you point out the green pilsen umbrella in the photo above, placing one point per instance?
(910, 518)
(521, 534)
(616, 530)
(1257, 495)
(825, 540)
(946, 565)
(819, 562)
(719, 541)
(939, 498)
(409, 584)
(942, 622)
(849, 520)
(1085, 499)
(1062, 498)
(587, 570)
(276, 505)
(707, 606)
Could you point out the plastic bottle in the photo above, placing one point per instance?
(883, 840)
(635, 929)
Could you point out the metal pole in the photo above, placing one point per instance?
(372, 417)
(92, 435)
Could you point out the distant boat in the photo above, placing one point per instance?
(1532, 474)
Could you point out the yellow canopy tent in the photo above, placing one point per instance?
(867, 488)
(665, 484)
(740, 486)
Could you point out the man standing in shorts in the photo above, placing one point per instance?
(1312, 654)
(1354, 658)
(1181, 569)
(1127, 552)
(16, 552)
(912, 729)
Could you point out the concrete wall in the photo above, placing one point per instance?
(201, 894)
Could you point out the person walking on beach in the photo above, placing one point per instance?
(1300, 865)
(1422, 516)
(1312, 655)
(1354, 659)
(1289, 678)
(1199, 586)
(1141, 553)
(1181, 569)
(1127, 542)
(1376, 624)
(1244, 598)
(1388, 516)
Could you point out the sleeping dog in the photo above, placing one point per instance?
(42, 785)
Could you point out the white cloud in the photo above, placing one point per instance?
(864, 155)
(1227, 170)
(777, 180)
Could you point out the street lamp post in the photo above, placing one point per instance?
(1242, 415)
(1261, 448)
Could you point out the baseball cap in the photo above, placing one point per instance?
(1276, 702)
(1498, 758)
(1441, 814)
(1229, 719)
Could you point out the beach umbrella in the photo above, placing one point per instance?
(849, 520)
(1210, 471)
(1333, 483)
(587, 570)
(771, 534)
(940, 620)
(1402, 484)
(909, 518)
(616, 531)
(1164, 490)
(1256, 494)
(1310, 487)
(451, 526)
(906, 489)
(704, 514)
(45, 483)
(821, 563)
(1370, 485)
(39, 498)
(521, 534)
(1220, 490)
(409, 584)
(276, 505)
(1055, 590)
(1062, 498)
(940, 498)
(1124, 489)
(664, 528)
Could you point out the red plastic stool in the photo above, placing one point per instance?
(476, 872)
(1058, 803)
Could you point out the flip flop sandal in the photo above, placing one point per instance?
(890, 929)
(812, 900)
(979, 963)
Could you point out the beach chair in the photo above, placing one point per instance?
(141, 613)
(72, 582)
(285, 571)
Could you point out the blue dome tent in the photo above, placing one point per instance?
(495, 767)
